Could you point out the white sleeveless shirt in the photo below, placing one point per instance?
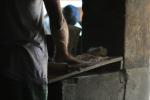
(23, 26)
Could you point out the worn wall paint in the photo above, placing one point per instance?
(137, 33)
(137, 49)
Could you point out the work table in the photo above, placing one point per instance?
(78, 69)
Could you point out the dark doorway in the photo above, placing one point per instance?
(104, 25)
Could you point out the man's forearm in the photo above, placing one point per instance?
(58, 25)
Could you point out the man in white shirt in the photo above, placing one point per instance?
(23, 53)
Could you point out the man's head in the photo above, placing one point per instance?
(71, 14)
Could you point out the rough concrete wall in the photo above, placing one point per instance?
(137, 49)
(100, 87)
(138, 84)
(137, 35)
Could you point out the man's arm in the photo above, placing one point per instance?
(60, 31)
(58, 25)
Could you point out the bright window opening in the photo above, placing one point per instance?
(76, 3)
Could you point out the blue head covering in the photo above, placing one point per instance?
(71, 14)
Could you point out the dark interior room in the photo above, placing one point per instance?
(75, 49)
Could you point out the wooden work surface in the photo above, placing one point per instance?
(54, 78)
